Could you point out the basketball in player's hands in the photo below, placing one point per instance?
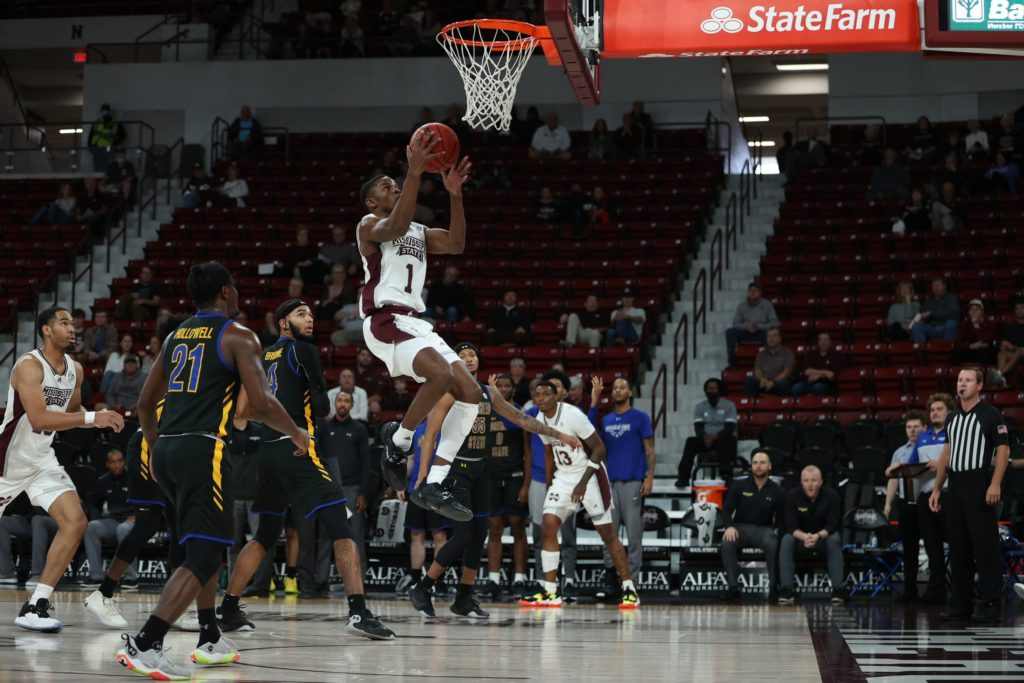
(446, 143)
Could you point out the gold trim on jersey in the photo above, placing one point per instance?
(308, 412)
(144, 453)
(218, 451)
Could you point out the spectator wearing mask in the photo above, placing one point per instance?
(112, 519)
(773, 368)
(627, 322)
(449, 299)
(142, 301)
(811, 523)
(891, 180)
(100, 339)
(753, 318)
(105, 134)
(245, 134)
(123, 392)
(588, 326)
(975, 342)
(551, 141)
(508, 323)
(903, 312)
(753, 507)
(938, 316)
(714, 429)
(821, 367)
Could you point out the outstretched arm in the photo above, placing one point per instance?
(510, 412)
(452, 240)
(397, 224)
(27, 380)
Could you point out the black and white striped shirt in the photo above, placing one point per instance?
(974, 436)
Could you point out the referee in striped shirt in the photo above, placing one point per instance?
(977, 439)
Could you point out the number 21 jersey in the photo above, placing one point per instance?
(568, 419)
(395, 275)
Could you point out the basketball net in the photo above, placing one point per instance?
(490, 56)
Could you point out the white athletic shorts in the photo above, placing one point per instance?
(597, 500)
(396, 338)
(44, 485)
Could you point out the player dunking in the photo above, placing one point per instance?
(394, 251)
(197, 373)
(45, 397)
(572, 478)
(296, 379)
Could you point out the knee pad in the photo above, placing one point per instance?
(268, 530)
(335, 520)
(202, 558)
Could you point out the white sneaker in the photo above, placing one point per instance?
(212, 654)
(152, 663)
(37, 618)
(189, 621)
(9, 581)
(105, 610)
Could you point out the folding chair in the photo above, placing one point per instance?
(882, 564)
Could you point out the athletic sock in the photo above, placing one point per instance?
(456, 427)
(416, 574)
(627, 585)
(107, 587)
(427, 582)
(403, 438)
(290, 572)
(550, 587)
(569, 580)
(494, 576)
(465, 590)
(230, 603)
(356, 604)
(209, 632)
(519, 577)
(438, 473)
(42, 592)
(152, 633)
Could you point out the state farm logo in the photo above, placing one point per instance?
(770, 19)
(721, 20)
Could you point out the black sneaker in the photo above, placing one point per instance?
(992, 612)
(130, 585)
(956, 614)
(368, 626)
(611, 591)
(233, 620)
(839, 596)
(786, 596)
(569, 592)
(731, 594)
(90, 584)
(441, 589)
(466, 606)
(439, 498)
(493, 589)
(520, 589)
(419, 596)
(256, 592)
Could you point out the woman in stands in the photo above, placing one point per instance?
(902, 311)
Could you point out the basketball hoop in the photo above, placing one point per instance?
(490, 55)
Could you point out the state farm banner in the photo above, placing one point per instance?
(724, 28)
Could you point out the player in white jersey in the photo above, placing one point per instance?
(394, 251)
(573, 477)
(46, 397)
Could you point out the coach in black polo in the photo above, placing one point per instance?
(976, 432)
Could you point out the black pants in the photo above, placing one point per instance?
(919, 522)
(973, 539)
(724, 445)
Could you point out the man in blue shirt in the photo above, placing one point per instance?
(629, 437)
(906, 504)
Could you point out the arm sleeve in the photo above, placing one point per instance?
(646, 427)
(731, 498)
(308, 359)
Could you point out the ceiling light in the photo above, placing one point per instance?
(754, 119)
(806, 66)
(762, 143)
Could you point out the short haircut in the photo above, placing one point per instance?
(46, 317)
(761, 451)
(550, 385)
(517, 362)
(811, 468)
(916, 415)
(942, 398)
(367, 188)
(979, 376)
(347, 393)
(712, 380)
(78, 313)
(755, 285)
(115, 450)
(560, 376)
(205, 280)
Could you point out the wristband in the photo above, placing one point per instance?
(593, 465)
(90, 417)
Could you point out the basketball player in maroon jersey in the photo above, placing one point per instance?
(394, 251)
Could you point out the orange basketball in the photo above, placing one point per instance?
(445, 141)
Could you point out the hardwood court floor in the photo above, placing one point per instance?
(303, 641)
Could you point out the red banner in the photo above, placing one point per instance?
(724, 28)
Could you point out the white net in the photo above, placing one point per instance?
(490, 62)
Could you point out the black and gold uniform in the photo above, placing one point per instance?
(469, 471)
(506, 467)
(143, 491)
(304, 483)
(188, 459)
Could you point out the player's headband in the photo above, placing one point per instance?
(462, 346)
(285, 309)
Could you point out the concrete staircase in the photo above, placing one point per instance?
(711, 357)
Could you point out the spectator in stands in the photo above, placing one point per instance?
(629, 140)
(1004, 174)
(577, 396)
(922, 147)
(551, 141)
(339, 294)
(352, 43)
(976, 142)
(424, 211)
(64, 209)
(773, 368)
(347, 382)
(520, 382)
(120, 173)
(100, 339)
(594, 209)
(112, 518)
(812, 152)
(627, 322)
(93, 207)
(948, 212)
(509, 323)
(449, 299)
(938, 316)
(821, 365)
(142, 301)
(349, 323)
(916, 217)
(374, 379)
(245, 134)
(301, 259)
(105, 134)
(549, 209)
(1009, 139)
(754, 507)
(388, 19)
(123, 391)
(199, 190)
(426, 34)
(714, 429)
(341, 251)
(391, 165)
(454, 118)
(398, 398)
(235, 189)
(1011, 345)
(902, 312)
(602, 143)
(891, 180)
(752, 319)
(404, 38)
(642, 121)
(811, 518)
(149, 354)
(870, 151)
(588, 326)
(976, 337)
(78, 324)
(295, 291)
(950, 173)
(270, 332)
(351, 8)
(115, 360)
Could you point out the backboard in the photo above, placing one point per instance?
(577, 38)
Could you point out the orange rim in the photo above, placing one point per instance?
(531, 35)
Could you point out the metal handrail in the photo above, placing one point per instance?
(716, 265)
(218, 139)
(659, 416)
(700, 312)
(731, 224)
(830, 119)
(77, 277)
(162, 22)
(175, 172)
(121, 234)
(680, 360)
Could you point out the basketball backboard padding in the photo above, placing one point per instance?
(582, 70)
